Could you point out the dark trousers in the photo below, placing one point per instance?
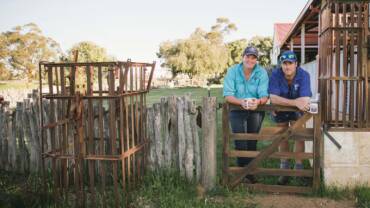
(245, 122)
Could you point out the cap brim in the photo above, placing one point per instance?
(247, 54)
(290, 60)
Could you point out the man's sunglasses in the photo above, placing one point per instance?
(290, 56)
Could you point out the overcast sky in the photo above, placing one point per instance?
(134, 29)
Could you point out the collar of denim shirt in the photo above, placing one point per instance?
(298, 75)
(254, 71)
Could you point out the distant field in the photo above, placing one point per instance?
(17, 84)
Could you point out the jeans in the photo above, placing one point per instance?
(243, 121)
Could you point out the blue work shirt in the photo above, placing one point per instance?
(300, 86)
(235, 83)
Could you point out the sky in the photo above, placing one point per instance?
(134, 29)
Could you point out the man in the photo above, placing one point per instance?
(242, 81)
(289, 86)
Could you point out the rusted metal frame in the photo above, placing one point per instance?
(131, 151)
(94, 64)
(141, 121)
(352, 70)
(53, 133)
(58, 123)
(337, 63)
(102, 165)
(56, 96)
(132, 125)
(365, 63)
(151, 76)
(112, 133)
(137, 123)
(127, 126)
(359, 110)
(121, 130)
(270, 149)
(331, 60)
(79, 145)
(64, 132)
(42, 130)
(90, 126)
(345, 67)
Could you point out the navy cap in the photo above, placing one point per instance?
(288, 56)
(250, 50)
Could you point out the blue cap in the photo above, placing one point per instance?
(250, 50)
(288, 56)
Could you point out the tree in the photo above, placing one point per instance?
(236, 49)
(88, 52)
(202, 54)
(22, 48)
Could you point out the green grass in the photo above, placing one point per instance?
(167, 189)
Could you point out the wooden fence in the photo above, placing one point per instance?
(178, 142)
(173, 127)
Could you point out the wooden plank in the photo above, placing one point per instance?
(317, 149)
(303, 134)
(172, 108)
(270, 149)
(195, 136)
(209, 159)
(189, 147)
(181, 134)
(281, 155)
(274, 172)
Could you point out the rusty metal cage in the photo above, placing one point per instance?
(93, 132)
(344, 64)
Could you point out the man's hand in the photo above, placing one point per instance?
(302, 103)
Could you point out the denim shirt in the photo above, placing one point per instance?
(235, 83)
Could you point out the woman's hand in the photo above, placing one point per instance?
(253, 103)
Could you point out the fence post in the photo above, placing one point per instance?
(189, 151)
(181, 134)
(209, 143)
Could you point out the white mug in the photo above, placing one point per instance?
(314, 108)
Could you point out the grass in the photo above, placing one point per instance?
(168, 189)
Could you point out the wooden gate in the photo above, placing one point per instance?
(233, 176)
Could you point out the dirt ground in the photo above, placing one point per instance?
(291, 201)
